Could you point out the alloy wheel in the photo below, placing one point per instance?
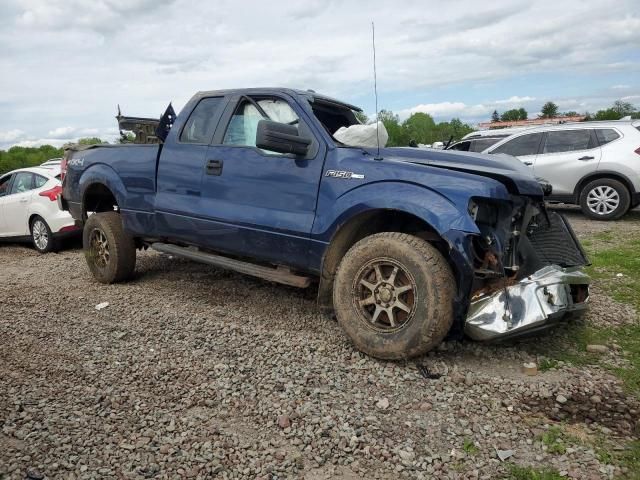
(385, 294)
(99, 250)
(40, 234)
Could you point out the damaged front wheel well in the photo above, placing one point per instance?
(364, 225)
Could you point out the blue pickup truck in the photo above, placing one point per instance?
(405, 245)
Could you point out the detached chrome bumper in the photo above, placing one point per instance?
(535, 302)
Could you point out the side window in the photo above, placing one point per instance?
(606, 135)
(201, 123)
(482, 144)
(22, 183)
(243, 125)
(39, 181)
(520, 146)
(5, 182)
(567, 141)
(462, 146)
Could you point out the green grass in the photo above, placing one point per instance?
(554, 441)
(547, 364)
(529, 473)
(469, 447)
(610, 255)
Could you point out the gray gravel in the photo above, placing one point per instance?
(198, 373)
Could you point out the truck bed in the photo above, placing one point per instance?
(134, 164)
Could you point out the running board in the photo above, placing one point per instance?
(279, 275)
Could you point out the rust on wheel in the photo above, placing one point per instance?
(99, 251)
(385, 294)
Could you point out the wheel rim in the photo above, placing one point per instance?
(603, 200)
(99, 248)
(385, 294)
(40, 235)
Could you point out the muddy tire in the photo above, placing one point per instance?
(393, 295)
(109, 251)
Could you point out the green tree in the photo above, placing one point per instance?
(570, 113)
(623, 108)
(514, 114)
(362, 117)
(21, 157)
(90, 141)
(495, 117)
(421, 128)
(397, 135)
(549, 110)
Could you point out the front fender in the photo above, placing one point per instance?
(432, 207)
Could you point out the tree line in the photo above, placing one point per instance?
(618, 110)
(421, 128)
(23, 157)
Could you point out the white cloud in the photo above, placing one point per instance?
(144, 53)
(11, 135)
(620, 87)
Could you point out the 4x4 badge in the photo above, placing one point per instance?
(342, 174)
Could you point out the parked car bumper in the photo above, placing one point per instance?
(535, 302)
(61, 223)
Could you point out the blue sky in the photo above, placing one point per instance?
(66, 64)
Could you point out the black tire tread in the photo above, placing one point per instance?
(440, 295)
(122, 248)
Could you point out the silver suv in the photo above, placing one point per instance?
(593, 164)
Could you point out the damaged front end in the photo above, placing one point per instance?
(527, 269)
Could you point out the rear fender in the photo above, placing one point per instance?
(105, 175)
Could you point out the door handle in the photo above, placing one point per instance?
(24, 200)
(586, 158)
(214, 167)
(528, 164)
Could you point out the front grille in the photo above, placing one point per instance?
(555, 244)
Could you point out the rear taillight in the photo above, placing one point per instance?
(52, 193)
(63, 168)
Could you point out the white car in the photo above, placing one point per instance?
(592, 164)
(29, 208)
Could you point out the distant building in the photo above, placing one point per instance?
(530, 123)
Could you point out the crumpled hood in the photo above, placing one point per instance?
(506, 169)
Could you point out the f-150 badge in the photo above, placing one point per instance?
(342, 174)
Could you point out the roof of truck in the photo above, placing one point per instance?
(314, 96)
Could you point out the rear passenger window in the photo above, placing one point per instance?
(39, 181)
(201, 124)
(567, 141)
(22, 183)
(520, 146)
(606, 135)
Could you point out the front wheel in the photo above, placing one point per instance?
(110, 252)
(393, 295)
(605, 199)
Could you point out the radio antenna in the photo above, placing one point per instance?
(375, 89)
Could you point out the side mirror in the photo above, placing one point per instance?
(281, 138)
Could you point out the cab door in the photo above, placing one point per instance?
(565, 157)
(255, 200)
(15, 206)
(5, 188)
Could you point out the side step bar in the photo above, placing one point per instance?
(267, 273)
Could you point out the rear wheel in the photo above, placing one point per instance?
(605, 199)
(41, 236)
(393, 295)
(110, 252)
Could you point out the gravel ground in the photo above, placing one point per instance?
(199, 373)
